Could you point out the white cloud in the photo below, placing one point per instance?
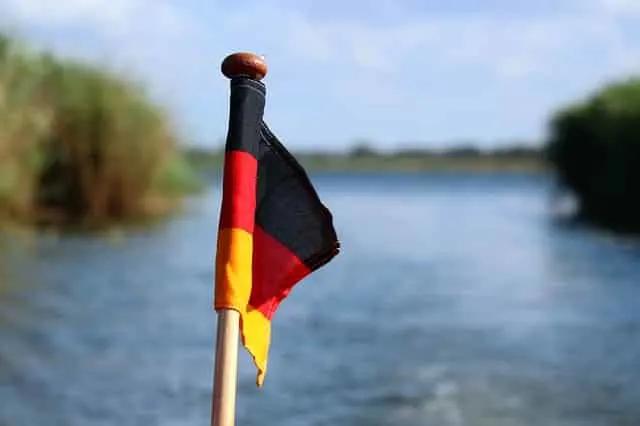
(415, 62)
(108, 15)
(511, 47)
(621, 7)
(107, 18)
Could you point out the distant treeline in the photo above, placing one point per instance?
(364, 157)
(468, 150)
(595, 150)
(79, 145)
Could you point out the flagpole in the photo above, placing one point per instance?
(223, 403)
(225, 377)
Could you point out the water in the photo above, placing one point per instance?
(457, 300)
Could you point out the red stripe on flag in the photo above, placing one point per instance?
(276, 269)
(239, 191)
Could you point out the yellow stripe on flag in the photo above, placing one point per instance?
(234, 261)
(256, 336)
(233, 290)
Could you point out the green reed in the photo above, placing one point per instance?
(79, 145)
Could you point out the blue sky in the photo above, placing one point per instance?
(397, 73)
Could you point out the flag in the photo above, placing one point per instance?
(273, 229)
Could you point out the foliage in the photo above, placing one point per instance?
(78, 144)
(520, 158)
(595, 148)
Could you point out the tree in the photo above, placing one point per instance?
(595, 149)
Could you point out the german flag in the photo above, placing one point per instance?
(273, 229)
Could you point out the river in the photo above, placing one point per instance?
(457, 300)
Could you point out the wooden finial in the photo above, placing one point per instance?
(243, 64)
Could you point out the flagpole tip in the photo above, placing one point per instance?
(244, 64)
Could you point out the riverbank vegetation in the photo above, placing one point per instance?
(80, 145)
(364, 158)
(595, 150)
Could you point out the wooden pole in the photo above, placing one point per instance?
(225, 377)
(223, 404)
